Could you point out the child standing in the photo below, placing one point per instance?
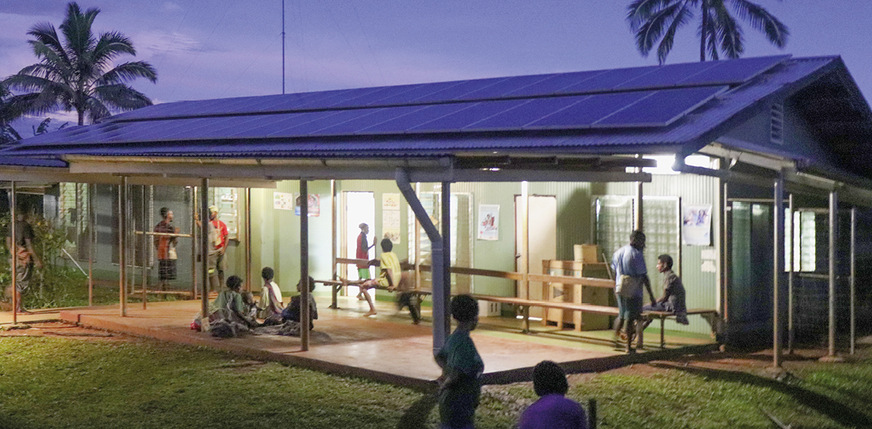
(460, 383)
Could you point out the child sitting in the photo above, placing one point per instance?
(293, 311)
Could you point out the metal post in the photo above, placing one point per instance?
(440, 308)
(639, 204)
(790, 331)
(417, 244)
(92, 241)
(143, 227)
(304, 265)
(122, 245)
(194, 242)
(446, 250)
(777, 267)
(248, 239)
(334, 237)
(834, 207)
(853, 275)
(204, 251)
(525, 240)
(13, 251)
(726, 248)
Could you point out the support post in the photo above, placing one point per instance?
(777, 267)
(639, 205)
(833, 239)
(248, 281)
(525, 241)
(92, 241)
(194, 242)
(122, 245)
(725, 255)
(143, 223)
(853, 276)
(13, 250)
(204, 252)
(440, 308)
(790, 331)
(446, 251)
(333, 228)
(304, 265)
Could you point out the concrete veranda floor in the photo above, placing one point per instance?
(386, 347)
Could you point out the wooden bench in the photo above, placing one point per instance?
(336, 286)
(525, 304)
(709, 314)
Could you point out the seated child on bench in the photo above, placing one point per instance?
(294, 310)
(389, 275)
(673, 292)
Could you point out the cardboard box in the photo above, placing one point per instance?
(586, 252)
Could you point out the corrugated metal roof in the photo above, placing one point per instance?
(13, 161)
(633, 110)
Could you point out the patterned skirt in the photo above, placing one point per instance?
(167, 269)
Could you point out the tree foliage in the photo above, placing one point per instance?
(718, 29)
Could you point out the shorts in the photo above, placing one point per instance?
(629, 308)
(363, 273)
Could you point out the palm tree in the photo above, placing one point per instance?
(653, 20)
(79, 73)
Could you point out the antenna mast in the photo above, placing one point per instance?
(283, 46)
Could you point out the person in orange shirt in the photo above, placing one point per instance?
(220, 242)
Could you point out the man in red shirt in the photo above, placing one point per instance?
(220, 242)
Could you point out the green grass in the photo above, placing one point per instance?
(68, 383)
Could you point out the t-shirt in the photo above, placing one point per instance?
(228, 299)
(673, 286)
(294, 311)
(163, 242)
(389, 260)
(221, 229)
(629, 261)
(265, 293)
(23, 231)
(554, 412)
(458, 402)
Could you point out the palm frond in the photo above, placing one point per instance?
(640, 11)
(128, 71)
(653, 28)
(763, 21)
(111, 45)
(729, 34)
(121, 97)
(681, 18)
(46, 34)
(77, 29)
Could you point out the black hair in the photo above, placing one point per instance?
(549, 379)
(164, 212)
(666, 259)
(267, 273)
(234, 282)
(637, 237)
(386, 245)
(311, 284)
(464, 308)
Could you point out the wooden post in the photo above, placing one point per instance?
(248, 281)
(334, 237)
(92, 241)
(304, 265)
(446, 252)
(13, 251)
(790, 262)
(204, 252)
(525, 240)
(777, 267)
(194, 242)
(143, 223)
(122, 245)
(834, 233)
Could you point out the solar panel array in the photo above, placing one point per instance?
(641, 98)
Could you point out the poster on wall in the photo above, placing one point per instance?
(696, 225)
(314, 206)
(488, 222)
(283, 201)
(391, 217)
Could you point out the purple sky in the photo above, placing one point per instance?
(226, 48)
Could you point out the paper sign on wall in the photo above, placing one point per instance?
(488, 222)
(391, 217)
(696, 225)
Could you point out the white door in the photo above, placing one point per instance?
(541, 229)
(359, 208)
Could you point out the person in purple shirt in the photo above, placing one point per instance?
(553, 410)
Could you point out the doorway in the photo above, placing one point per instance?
(541, 228)
(359, 208)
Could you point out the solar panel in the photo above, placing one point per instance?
(374, 116)
(457, 91)
(419, 91)
(589, 109)
(555, 84)
(502, 88)
(666, 76)
(427, 113)
(735, 71)
(660, 108)
(463, 118)
(524, 113)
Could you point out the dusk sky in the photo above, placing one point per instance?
(227, 48)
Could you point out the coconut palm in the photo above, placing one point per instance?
(78, 72)
(719, 32)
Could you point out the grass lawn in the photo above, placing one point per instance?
(69, 382)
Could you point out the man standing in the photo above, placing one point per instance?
(23, 255)
(631, 274)
(220, 241)
(166, 248)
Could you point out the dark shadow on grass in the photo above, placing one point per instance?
(416, 416)
(836, 411)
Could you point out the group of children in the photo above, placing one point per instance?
(233, 311)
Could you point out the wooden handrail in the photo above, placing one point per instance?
(584, 281)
